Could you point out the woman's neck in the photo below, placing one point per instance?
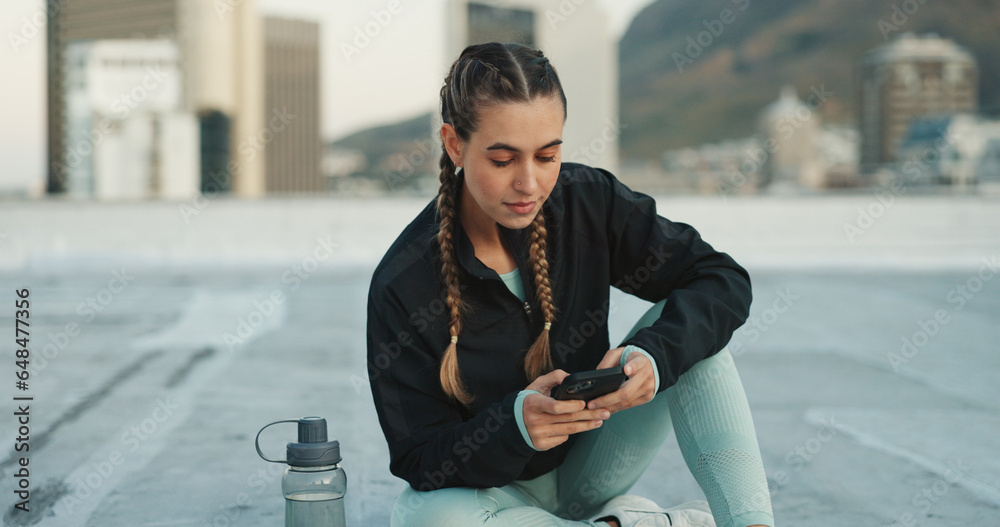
(479, 227)
(484, 233)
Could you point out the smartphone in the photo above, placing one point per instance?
(587, 385)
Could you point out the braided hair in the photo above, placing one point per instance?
(489, 74)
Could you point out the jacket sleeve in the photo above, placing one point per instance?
(431, 445)
(707, 293)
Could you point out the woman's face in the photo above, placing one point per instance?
(510, 164)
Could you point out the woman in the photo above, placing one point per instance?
(501, 286)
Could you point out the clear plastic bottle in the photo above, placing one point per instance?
(314, 485)
(314, 496)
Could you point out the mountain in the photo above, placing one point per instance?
(382, 142)
(697, 71)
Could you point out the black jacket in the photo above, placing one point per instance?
(600, 234)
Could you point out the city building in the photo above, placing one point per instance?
(790, 132)
(128, 134)
(220, 64)
(910, 76)
(962, 150)
(291, 138)
(577, 39)
(727, 168)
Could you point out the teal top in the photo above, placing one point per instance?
(513, 281)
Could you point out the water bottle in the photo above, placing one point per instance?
(313, 484)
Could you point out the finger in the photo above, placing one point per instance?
(611, 359)
(575, 427)
(551, 406)
(557, 375)
(545, 383)
(583, 415)
(635, 363)
(592, 415)
(620, 398)
(553, 378)
(610, 401)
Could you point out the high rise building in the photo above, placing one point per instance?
(292, 99)
(790, 129)
(910, 76)
(128, 135)
(220, 60)
(577, 39)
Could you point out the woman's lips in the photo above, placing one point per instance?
(521, 208)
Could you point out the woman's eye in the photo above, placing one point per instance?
(501, 164)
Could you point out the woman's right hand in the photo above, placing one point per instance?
(550, 422)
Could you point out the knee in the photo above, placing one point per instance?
(718, 367)
(450, 507)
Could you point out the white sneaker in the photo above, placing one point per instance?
(636, 511)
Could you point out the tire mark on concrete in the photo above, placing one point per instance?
(74, 413)
(42, 499)
(182, 372)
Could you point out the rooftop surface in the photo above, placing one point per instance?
(144, 413)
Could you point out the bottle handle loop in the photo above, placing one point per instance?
(256, 441)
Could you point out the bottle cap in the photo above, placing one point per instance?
(313, 449)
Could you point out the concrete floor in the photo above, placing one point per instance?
(146, 415)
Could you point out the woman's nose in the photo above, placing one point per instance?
(526, 181)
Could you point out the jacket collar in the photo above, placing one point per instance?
(516, 239)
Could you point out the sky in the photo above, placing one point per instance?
(396, 79)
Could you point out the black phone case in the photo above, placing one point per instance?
(587, 385)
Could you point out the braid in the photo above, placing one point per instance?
(451, 378)
(538, 360)
(483, 75)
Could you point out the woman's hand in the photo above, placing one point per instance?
(550, 422)
(638, 389)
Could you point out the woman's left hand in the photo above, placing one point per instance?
(638, 389)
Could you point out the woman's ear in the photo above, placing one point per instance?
(452, 143)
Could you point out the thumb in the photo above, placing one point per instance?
(611, 359)
(545, 383)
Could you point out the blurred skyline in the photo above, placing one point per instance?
(392, 89)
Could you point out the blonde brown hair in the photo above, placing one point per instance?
(486, 74)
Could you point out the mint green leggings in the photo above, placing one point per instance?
(708, 411)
